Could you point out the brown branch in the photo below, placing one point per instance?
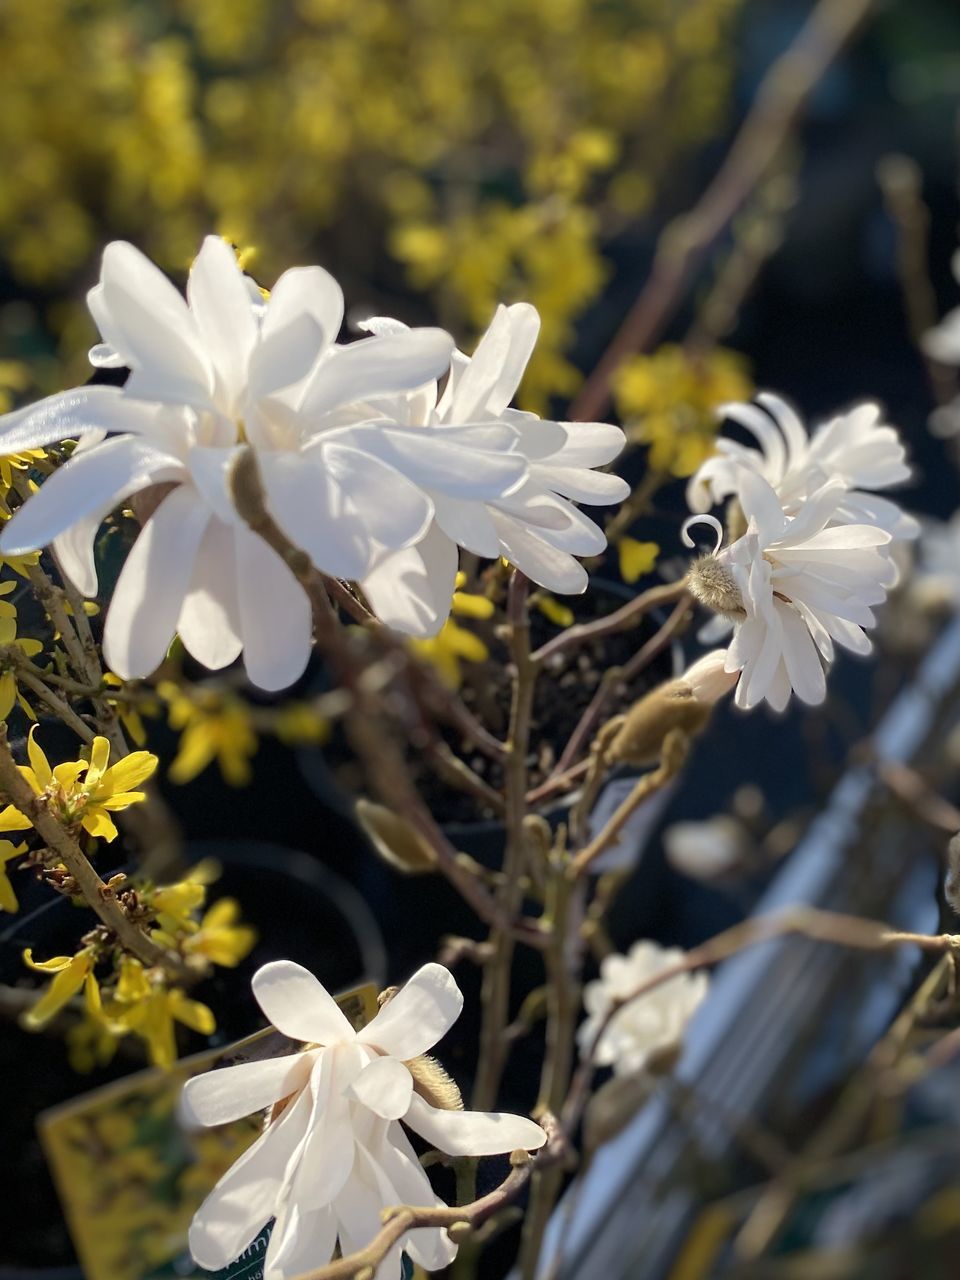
(808, 922)
(460, 1221)
(615, 677)
(384, 762)
(675, 749)
(779, 103)
(630, 615)
(98, 895)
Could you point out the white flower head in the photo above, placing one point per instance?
(645, 1027)
(942, 343)
(792, 587)
(210, 372)
(336, 1155)
(856, 449)
(533, 523)
(709, 849)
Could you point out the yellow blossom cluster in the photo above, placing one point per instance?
(668, 401)
(121, 995)
(493, 148)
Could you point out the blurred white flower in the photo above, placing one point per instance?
(336, 1156)
(856, 449)
(708, 678)
(707, 850)
(792, 586)
(934, 581)
(943, 344)
(648, 1026)
(534, 525)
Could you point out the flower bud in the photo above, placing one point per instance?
(684, 704)
(396, 841)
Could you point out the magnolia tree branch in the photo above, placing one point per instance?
(98, 895)
(385, 765)
(460, 1221)
(780, 101)
(808, 922)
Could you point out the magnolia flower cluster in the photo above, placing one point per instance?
(627, 1031)
(334, 1154)
(379, 458)
(810, 549)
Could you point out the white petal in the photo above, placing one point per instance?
(594, 487)
(224, 316)
(801, 658)
(396, 1161)
(544, 564)
(298, 1005)
(244, 1199)
(319, 515)
(284, 357)
(149, 594)
(75, 551)
(69, 414)
(103, 356)
(420, 1014)
(438, 461)
(93, 481)
(760, 503)
(327, 1155)
(219, 1097)
(395, 512)
(300, 1242)
(146, 321)
(412, 590)
(305, 291)
(468, 524)
(524, 331)
(274, 656)
(385, 1086)
(473, 1133)
(589, 444)
(377, 366)
(209, 622)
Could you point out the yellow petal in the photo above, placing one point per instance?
(197, 749)
(12, 819)
(99, 823)
(559, 614)
(9, 850)
(192, 1013)
(99, 760)
(470, 606)
(60, 991)
(123, 800)
(128, 773)
(53, 965)
(67, 774)
(38, 761)
(8, 694)
(636, 558)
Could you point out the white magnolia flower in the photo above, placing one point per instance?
(533, 524)
(855, 449)
(211, 372)
(336, 1155)
(650, 1025)
(792, 586)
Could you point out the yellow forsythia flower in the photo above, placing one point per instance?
(72, 972)
(668, 401)
(83, 792)
(454, 644)
(214, 728)
(636, 558)
(143, 1004)
(560, 615)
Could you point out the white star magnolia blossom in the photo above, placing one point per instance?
(792, 586)
(855, 449)
(651, 1024)
(353, 488)
(337, 1156)
(534, 524)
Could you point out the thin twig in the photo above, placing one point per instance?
(460, 1220)
(623, 619)
(98, 895)
(779, 103)
(622, 676)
